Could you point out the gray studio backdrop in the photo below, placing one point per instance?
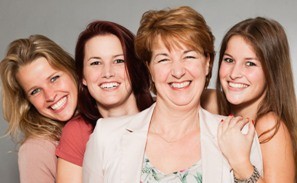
(63, 20)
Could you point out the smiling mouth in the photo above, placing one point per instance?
(180, 85)
(58, 105)
(237, 85)
(109, 85)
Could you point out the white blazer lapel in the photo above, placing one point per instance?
(133, 147)
(214, 165)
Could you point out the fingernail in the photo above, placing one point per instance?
(231, 115)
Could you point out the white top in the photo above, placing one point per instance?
(115, 151)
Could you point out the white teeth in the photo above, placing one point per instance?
(237, 85)
(180, 85)
(109, 85)
(59, 104)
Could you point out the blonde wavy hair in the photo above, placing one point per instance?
(24, 120)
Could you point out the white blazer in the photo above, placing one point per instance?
(115, 151)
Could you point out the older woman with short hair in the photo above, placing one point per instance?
(175, 140)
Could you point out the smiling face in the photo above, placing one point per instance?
(241, 73)
(104, 72)
(52, 92)
(179, 74)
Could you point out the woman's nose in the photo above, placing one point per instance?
(108, 71)
(178, 70)
(236, 71)
(49, 94)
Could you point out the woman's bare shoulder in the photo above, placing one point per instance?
(270, 125)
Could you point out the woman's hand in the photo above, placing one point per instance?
(235, 142)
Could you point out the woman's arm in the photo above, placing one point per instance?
(277, 153)
(37, 161)
(71, 149)
(278, 158)
(68, 172)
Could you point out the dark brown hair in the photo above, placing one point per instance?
(137, 71)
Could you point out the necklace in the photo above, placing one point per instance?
(173, 140)
(195, 129)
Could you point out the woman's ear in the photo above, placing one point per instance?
(84, 82)
(207, 64)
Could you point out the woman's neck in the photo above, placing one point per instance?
(248, 109)
(244, 112)
(128, 107)
(174, 121)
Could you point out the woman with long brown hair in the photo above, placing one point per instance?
(255, 81)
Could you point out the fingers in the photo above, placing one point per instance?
(251, 132)
(230, 122)
(241, 125)
(235, 137)
(237, 123)
(227, 124)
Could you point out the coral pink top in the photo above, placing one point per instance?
(75, 136)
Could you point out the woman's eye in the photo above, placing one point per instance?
(95, 63)
(53, 79)
(250, 64)
(228, 60)
(163, 60)
(35, 91)
(190, 57)
(118, 61)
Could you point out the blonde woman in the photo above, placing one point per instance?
(39, 93)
